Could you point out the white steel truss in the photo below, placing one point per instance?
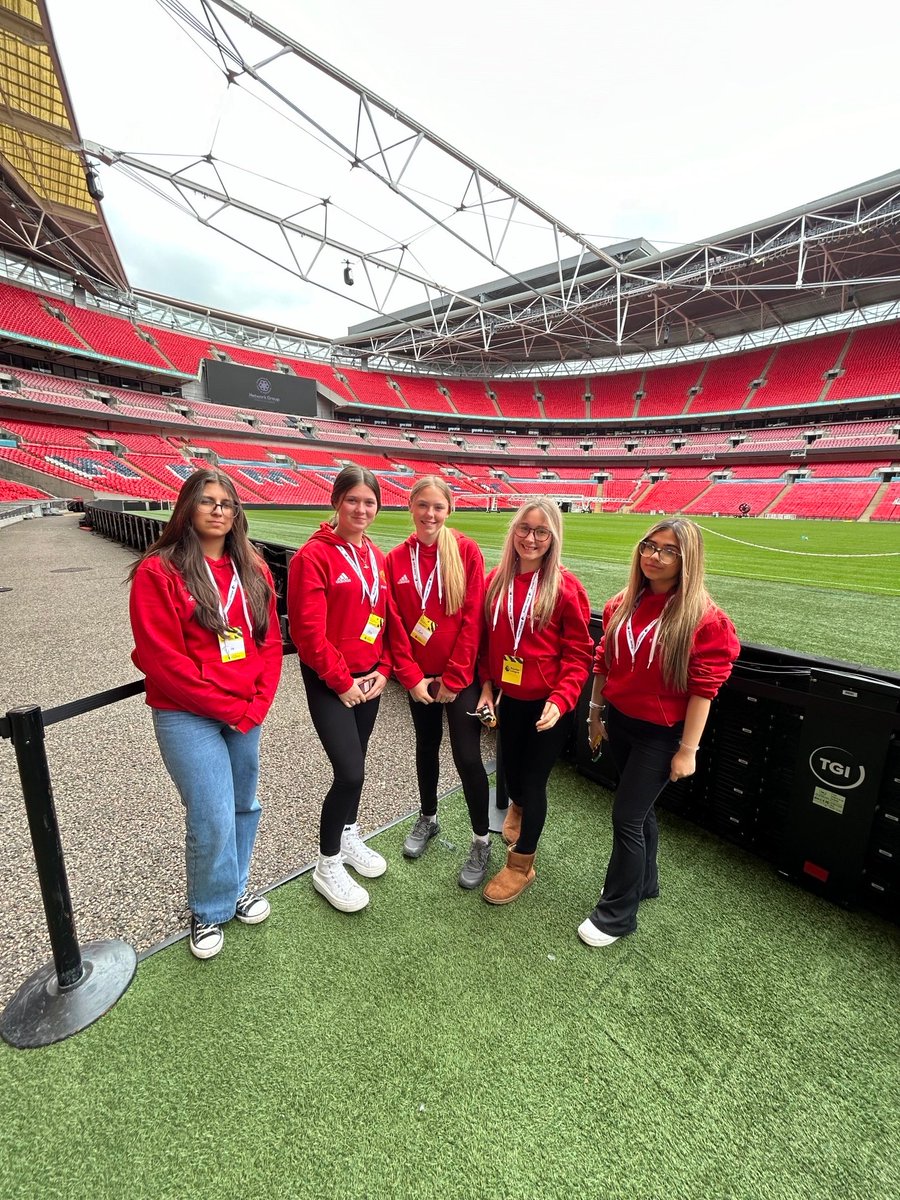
(443, 219)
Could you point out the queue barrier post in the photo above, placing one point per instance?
(80, 984)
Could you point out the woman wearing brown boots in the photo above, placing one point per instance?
(536, 652)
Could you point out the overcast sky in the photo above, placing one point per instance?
(669, 121)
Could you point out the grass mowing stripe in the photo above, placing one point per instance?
(836, 608)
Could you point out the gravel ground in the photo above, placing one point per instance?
(66, 635)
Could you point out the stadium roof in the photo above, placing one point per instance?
(838, 254)
(46, 209)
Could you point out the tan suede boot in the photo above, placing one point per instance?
(509, 883)
(512, 824)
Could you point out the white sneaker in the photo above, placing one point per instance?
(356, 854)
(330, 879)
(592, 936)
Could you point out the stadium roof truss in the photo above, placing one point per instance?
(47, 211)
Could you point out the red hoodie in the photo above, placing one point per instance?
(639, 690)
(452, 649)
(557, 658)
(183, 661)
(328, 611)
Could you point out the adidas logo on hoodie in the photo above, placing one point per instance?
(403, 579)
(343, 578)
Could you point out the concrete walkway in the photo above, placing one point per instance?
(65, 634)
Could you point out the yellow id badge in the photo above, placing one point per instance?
(423, 630)
(231, 645)
(372, 629)
(512, 669)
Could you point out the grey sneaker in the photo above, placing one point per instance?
(475, 867)
(419, 836)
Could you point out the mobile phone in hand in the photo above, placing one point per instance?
(365, 685)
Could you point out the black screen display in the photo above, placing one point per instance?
(250, 387)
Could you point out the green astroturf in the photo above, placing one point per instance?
(826, 597)
(743, 1043)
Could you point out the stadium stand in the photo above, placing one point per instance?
(888, 507)
(10, 490)
(516, 399)
(871, 365)
(471, 399)
(26, 315)
(725, 383)
(667, 390)
(836, 501)
(564, 399)
(614, 395)
(796, 374)
(727, 498)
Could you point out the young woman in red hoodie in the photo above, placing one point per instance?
(536, 651)
(665, 652)
(337, 602)
(207, 638)
(436, 580)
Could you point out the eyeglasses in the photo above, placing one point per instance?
(209, 505)
(540, 533)
(667, 554)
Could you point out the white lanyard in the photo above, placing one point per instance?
(369, 593)
(526, 609)
(235, 586)
(635, 645)
(417, 577)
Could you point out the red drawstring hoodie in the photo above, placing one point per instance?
(182, 661)
(638, 690)
(328, 612)
(557, 658)
(452, 649)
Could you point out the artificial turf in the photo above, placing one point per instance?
(825, 588)
(742, 1044)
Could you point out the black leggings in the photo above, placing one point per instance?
(465, 742)
(528, 758)
(642, 753)
(344, 734)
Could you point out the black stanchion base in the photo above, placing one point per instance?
(496, 816)
(40, 1013)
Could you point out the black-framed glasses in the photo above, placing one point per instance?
(540, 533)
(667, 554)
(209, 505)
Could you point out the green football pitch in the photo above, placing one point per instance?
(819, 587)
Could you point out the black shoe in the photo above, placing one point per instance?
(207, 939)
(251, 908)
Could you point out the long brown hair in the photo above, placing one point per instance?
(685, 608)
(453, 575)
(348, 478)
(180, 549)
(550, 568)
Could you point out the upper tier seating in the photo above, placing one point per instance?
(515, 398)
(871, 365)
(725, 384)
(112, 337)
(470, 398)
(797, 373)
(667, 389)
(613, 395)
(564, 399)
(22, 313)
(422, 394)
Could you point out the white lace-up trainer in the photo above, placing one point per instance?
(356, 854)
(330, 879)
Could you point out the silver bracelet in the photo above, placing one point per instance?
(685, 746)
(599, 707)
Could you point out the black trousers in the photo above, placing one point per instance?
(344, 734)
(642, 753)
(528, 758)
(465, 743)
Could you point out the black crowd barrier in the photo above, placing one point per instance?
(800, 763)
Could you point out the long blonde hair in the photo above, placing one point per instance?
(685, 608)
(453, 575)
(550, 568)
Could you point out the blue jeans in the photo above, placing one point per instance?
(216, 771)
